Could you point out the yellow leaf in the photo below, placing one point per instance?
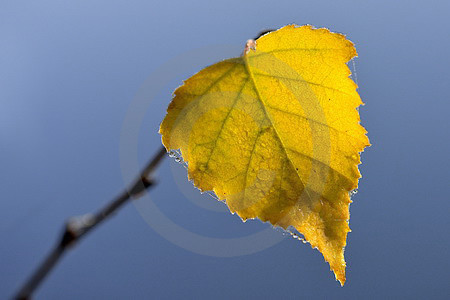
(276, 134)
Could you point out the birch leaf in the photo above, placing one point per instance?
(276, 134)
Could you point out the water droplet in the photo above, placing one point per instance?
(354, 192)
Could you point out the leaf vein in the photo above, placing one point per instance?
(302, 80)
(277, 135)
(225, 120)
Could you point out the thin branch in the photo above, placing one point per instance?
(76, 227)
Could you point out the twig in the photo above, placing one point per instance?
(76, 227)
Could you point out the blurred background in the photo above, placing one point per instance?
(70, 74)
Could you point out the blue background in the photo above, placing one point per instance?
(69, 71)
